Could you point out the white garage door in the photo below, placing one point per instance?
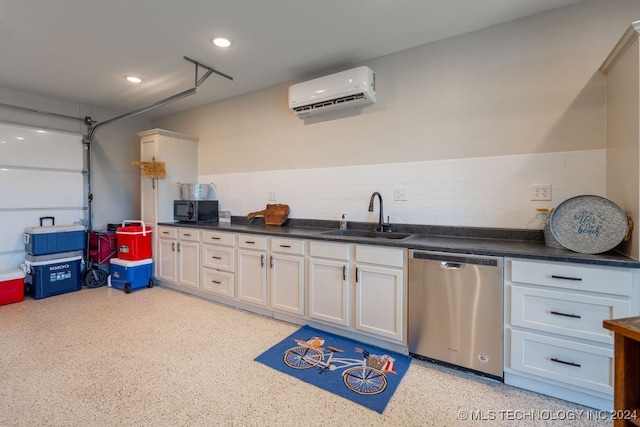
(41, 175)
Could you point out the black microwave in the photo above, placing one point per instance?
(195, 210)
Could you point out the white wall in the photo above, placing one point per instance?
(623, 134)
(450, 113)
(528, 86)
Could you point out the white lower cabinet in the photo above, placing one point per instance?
(329, 285)
(359, 287)
(166, 260)
(252, 269)
(287, 278)
(380, 289)
(554, 340)
(218, 263)
(179, 256)
(581, 365)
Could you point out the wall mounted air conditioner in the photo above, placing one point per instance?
(351, 88)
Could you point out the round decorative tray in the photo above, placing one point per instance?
(589, 224)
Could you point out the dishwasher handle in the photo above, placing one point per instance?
(451, 265)
(453, 260)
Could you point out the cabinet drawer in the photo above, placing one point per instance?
(217, 282)
(287, 246)
(577, 364)
(250, 241)
(221, 257)
(319, 249)
(572, 276)
(570, 314)
(380, 255)
(218, 238)
(167, 232)
(190, 234)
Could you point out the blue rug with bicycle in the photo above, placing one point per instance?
(363, 373)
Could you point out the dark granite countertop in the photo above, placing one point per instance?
(468, 240)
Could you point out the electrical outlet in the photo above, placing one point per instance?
(272, 196)
(540, 191)
(400, 194)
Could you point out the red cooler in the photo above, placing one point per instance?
(134, 241)
(11, 286)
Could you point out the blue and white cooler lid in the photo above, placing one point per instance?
(53, 229)
(128, 263)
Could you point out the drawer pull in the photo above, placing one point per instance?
(577, 279)
(285, 246)
(558, 313)
(165, 232)
(215, 238)
(187, 234)
(250, 242)
(218, 257)
(217, 282)
(577, 365)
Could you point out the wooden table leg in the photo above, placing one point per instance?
(626, 380)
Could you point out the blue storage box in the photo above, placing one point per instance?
(54, 274)
(130, 275)
(54, 239)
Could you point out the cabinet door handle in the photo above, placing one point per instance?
(285, 246)
(217, 282)
(173, 246)
(577, 365)
(344, 272)
(271, 261)
(178, 246)
(261, 260)
(577, 279)
(559, 313)
(357, 271)
(216, 257)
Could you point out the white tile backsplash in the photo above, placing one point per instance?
(476, 192)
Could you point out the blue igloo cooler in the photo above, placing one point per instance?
(54, 239)
(53, 274)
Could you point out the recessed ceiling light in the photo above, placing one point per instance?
(221, 41)
(133, 79)
(20, 138)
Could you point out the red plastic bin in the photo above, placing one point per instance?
(134, 241)
(11, 286)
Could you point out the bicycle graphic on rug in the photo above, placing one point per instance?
(364, 376)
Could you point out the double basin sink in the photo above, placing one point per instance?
(390, 235)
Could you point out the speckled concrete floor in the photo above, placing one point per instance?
(100, 357)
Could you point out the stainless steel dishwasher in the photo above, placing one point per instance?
(456, 310)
